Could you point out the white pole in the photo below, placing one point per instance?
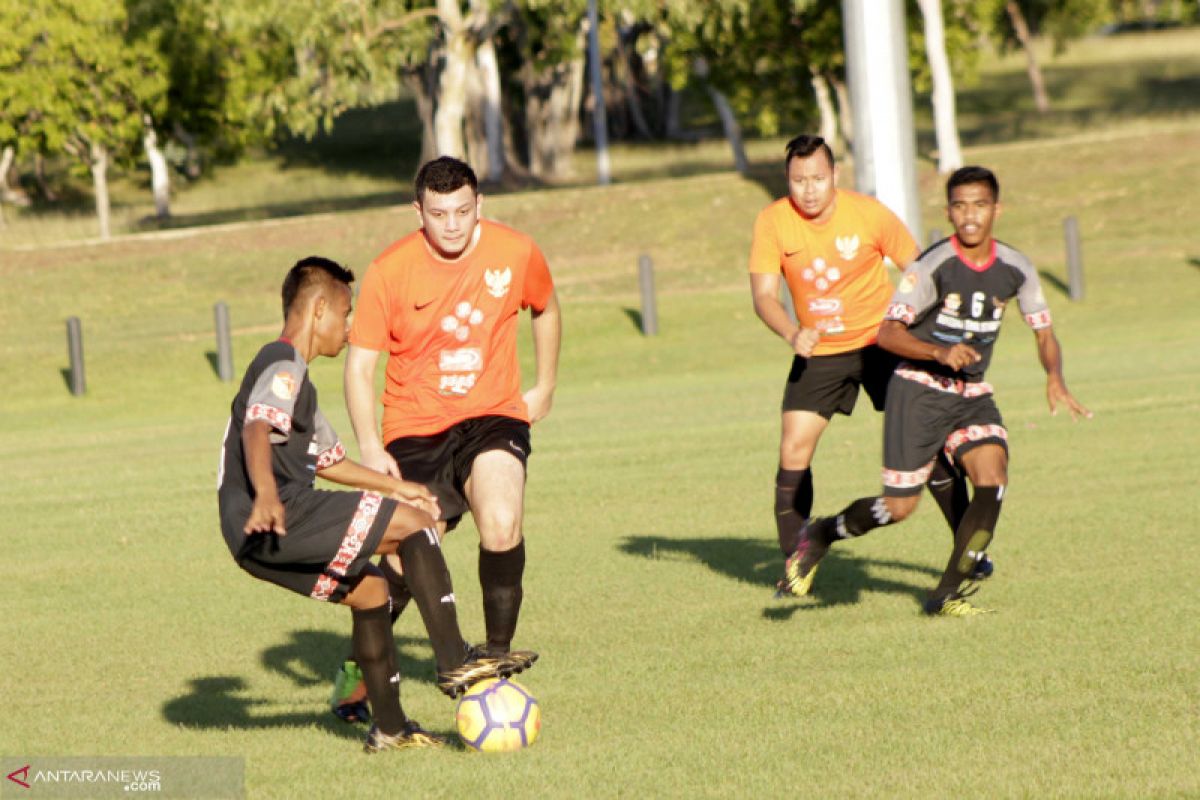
(599, 116)
(885, 148)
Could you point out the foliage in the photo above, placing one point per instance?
(73, 75)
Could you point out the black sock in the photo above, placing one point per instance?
(863, 515)
(948, 487)
(500, 578)
(793, 504)
(398, 591)
(428, 580)
(375, 651)
(972, 538)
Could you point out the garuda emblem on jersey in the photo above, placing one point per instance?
(847, 246)
(498, 281)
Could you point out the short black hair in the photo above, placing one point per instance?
(310, 272)
(804, 146)
(973, 174)
(445, 175)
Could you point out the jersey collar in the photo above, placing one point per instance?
(991, 259)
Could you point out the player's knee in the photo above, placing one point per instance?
(371, 590)
(902, 507)
(500, 531)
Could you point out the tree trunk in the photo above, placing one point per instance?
(733, 131)
(160, 181)
(552, 102)
(420, 81)
(673, 126)
(99, 166)
(828, 114)
(629, 83)
(450, 113)
(845, 112)
(944, 115)
(493, 118)
(39, 173)
(1031, 63)
(192, 166)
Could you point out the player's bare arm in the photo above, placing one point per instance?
(547, 336)
(266, 515)
(764, 289)
(894, 337)
(1050, 354)
(360, 403)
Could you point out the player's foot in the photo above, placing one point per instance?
(412, 735)
(954, 605)
(801, 566)
(349, 698)
(984, 568)
(481, 666)
(515, 660)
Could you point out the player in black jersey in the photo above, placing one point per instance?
(281, 529)
(943, 320)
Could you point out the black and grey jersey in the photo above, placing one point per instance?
(946, 299)
(276, 389)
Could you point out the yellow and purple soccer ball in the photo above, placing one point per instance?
(498, 715)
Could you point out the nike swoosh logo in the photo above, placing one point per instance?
(419, 306)
(789, 254)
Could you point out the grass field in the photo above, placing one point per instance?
(668, 669)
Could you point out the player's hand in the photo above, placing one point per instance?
(538, 401)
(957, 357)
(381, 460)
(804, 341)
(266, 516)
(1056, 392)
(417, 496)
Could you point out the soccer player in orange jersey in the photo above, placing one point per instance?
(443, 305)
(828, 245)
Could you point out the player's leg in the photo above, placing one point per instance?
(799, 433)
(948, 487)
(375, 654)
(496, 493)
(912, 437)
(980, 443)
(987, 464)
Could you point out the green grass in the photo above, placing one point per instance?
(668, 669)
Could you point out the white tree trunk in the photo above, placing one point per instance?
(945, 120)
(845, 112)
(160, 180)
(493, 120)
(451, 102)
(829, 126)
(99, 165)
(733, 131)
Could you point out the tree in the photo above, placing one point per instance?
(73, 80)
(944, 117)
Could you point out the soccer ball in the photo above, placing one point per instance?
(498, 715)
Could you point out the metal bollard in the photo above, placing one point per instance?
(649, 307)
(75, 349)
(1074, 259)
(224, 344)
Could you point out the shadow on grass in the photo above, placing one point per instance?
(277, 211)
(842, 580)
(1194, 261)
(1055, 281)
(309, 659)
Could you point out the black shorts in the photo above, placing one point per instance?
(922, 418)
(443, 461)
(331, 536)
(827, 385)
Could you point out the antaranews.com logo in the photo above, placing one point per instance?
(114, 776)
